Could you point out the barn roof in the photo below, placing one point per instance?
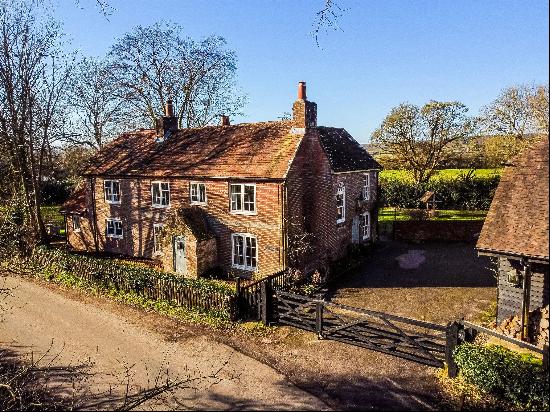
(517, 221)
(343, 151)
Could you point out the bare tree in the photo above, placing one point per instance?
(95, 105)
(538, 103)
(156, 63)
(327, 18)
(511, 113)
(33, 76)
(418, 138)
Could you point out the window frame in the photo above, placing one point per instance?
(157, 246)
(197, 202)
(110, 201)
(160, 183)
(242, 211)
(76, 218)
(244, 236)
(366, 225)
(367, 186)
(341, 190)
(114, 235)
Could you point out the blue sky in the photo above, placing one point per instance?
(386, 53)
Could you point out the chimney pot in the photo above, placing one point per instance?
(169, 109)
(302, 91)
(224, 121)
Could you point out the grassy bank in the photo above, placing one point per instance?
(389, 214)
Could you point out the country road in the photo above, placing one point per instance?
(109, 354)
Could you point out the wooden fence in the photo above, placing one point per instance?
(152, 285)
(407, 338)
(249, 296)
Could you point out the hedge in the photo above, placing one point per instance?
(512, 376)
(199, 294)
(466, 192)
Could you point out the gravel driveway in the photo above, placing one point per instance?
(106, 352)
(434, 281)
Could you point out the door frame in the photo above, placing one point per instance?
(176, 239)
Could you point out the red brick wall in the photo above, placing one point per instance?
(309, 196)
(311, 192)
(138, 217)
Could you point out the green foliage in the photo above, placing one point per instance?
(467, 190)
(125, 281)
(514, 377)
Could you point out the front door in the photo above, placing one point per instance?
(179, 255)
(355, 230)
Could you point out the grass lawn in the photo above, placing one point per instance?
(444, 174)
(387, 214)
(51, 214)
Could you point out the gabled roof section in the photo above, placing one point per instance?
(517, 221)
(254, 150)
(76, 203)
(343, 152)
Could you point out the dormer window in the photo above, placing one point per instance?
(341, 204)
(197, 193)
(112, 191)
(160, 193)
(367, 187)
(243, 198)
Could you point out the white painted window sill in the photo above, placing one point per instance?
(237, 212)
(247, 268)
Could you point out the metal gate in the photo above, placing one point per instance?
(407, 338)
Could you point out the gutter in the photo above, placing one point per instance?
(191, 177)
(514, 256)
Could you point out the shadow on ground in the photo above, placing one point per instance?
(430, 264)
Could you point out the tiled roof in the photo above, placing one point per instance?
(76, 203)
(517, 222)
(255, 150)
(343, 151)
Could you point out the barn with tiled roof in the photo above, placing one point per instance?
(516, 232)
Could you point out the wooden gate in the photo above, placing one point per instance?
(407, 338)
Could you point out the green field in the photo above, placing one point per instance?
(51, 214)
(388, 214)
(444, 174)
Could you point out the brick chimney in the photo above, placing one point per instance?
(224, 120)
(168, 123)
(304, 112)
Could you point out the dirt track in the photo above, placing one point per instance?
(106, 349)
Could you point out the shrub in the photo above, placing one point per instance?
(514, 377)
(465, 191)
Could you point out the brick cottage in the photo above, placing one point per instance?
(251, 199)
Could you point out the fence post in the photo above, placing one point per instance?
(319, 319)
(266, 301)
(545, 357)
(451, 343)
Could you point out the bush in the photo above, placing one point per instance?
(512, 376)
(465, 191)
(55, 192)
